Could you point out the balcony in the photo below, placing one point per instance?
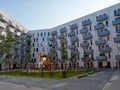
(63, 41)
(85, 58)
(100, 42)
(103, 33)
(74, 39)
(87, 36)
(72, 33)
(117, 38)
(116, 21)
(72, 46)
(105, 49)
(84, 30)
(73, 26)
(2, 25)
(101, 58)
(99, 26)
(86, 22)
(61, 36)
(117, 12)
(54, 33)
(52, 39)
(102, 17)
(89, 51)
(54, 43)
(2, 18)
(62, 30)
(52, 49)
(118, 30)
(84, 44)
(117, 57)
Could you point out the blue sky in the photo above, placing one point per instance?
(44, 14)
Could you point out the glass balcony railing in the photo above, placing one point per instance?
(52, 39)
(54, 33)
(103, 33)
(86, 22)
(72, 33)
(102, 17)
(61, 36)
(87, 36)
(74, 39)
(100, 42)
(89, 51)
(117, 12)
(116, 21)
(117, 57)
(84, 44)
(105, 49)
(72, 46)
(54, 43)
(73, 26)
(101, 58)
(62, 30)
(85, 58)
(84, 30)
(99, 26)
(117, 39)
(63, 41)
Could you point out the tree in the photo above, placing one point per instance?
(64, 58)
(7, 43)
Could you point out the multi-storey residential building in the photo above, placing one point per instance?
(8, 23)
(93, 39)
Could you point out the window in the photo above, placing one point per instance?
(91, 42)
(90, 28)
(41, 34)
(48, 33)
(37, 44)
(47, 38)
(109, 55)
(33, 44)
(108, 38)
(36, 49)
(36, 39)
(106, 23)
(44, 33)
(77, 31)
(33, 55)
(77, 44)
(43, 39)
(37, 34)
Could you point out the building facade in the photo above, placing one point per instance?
(93, 40)
(19, 52)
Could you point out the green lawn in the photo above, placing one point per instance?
(54, 75)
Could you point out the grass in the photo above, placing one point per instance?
(55, 74)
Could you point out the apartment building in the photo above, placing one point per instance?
(8, 23)
(93, 40)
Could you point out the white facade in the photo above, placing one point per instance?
(94, 39)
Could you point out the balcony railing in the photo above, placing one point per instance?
(99, 26)
(105, 49)
(63, 41)
(54, 43)
(74, 39)
(118, 30)
(52, 39)
(102, 17)
(101, 58)
(89, 51)
(103, 33)
(62, 30)
(72, 33)
(84, 44)
(117, 57)
(87, 36)
(116, 21)
(73, 26)
(117, 12)
(2, 18)
(100, 42)
(117, 38)
(84, 30)
(2, 25)
(86, 22)
(54, 33)
(85, 58)
(72, 46)
(61, 36)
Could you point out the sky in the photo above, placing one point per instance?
(45, 14)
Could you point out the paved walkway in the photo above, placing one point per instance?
(92, 82)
